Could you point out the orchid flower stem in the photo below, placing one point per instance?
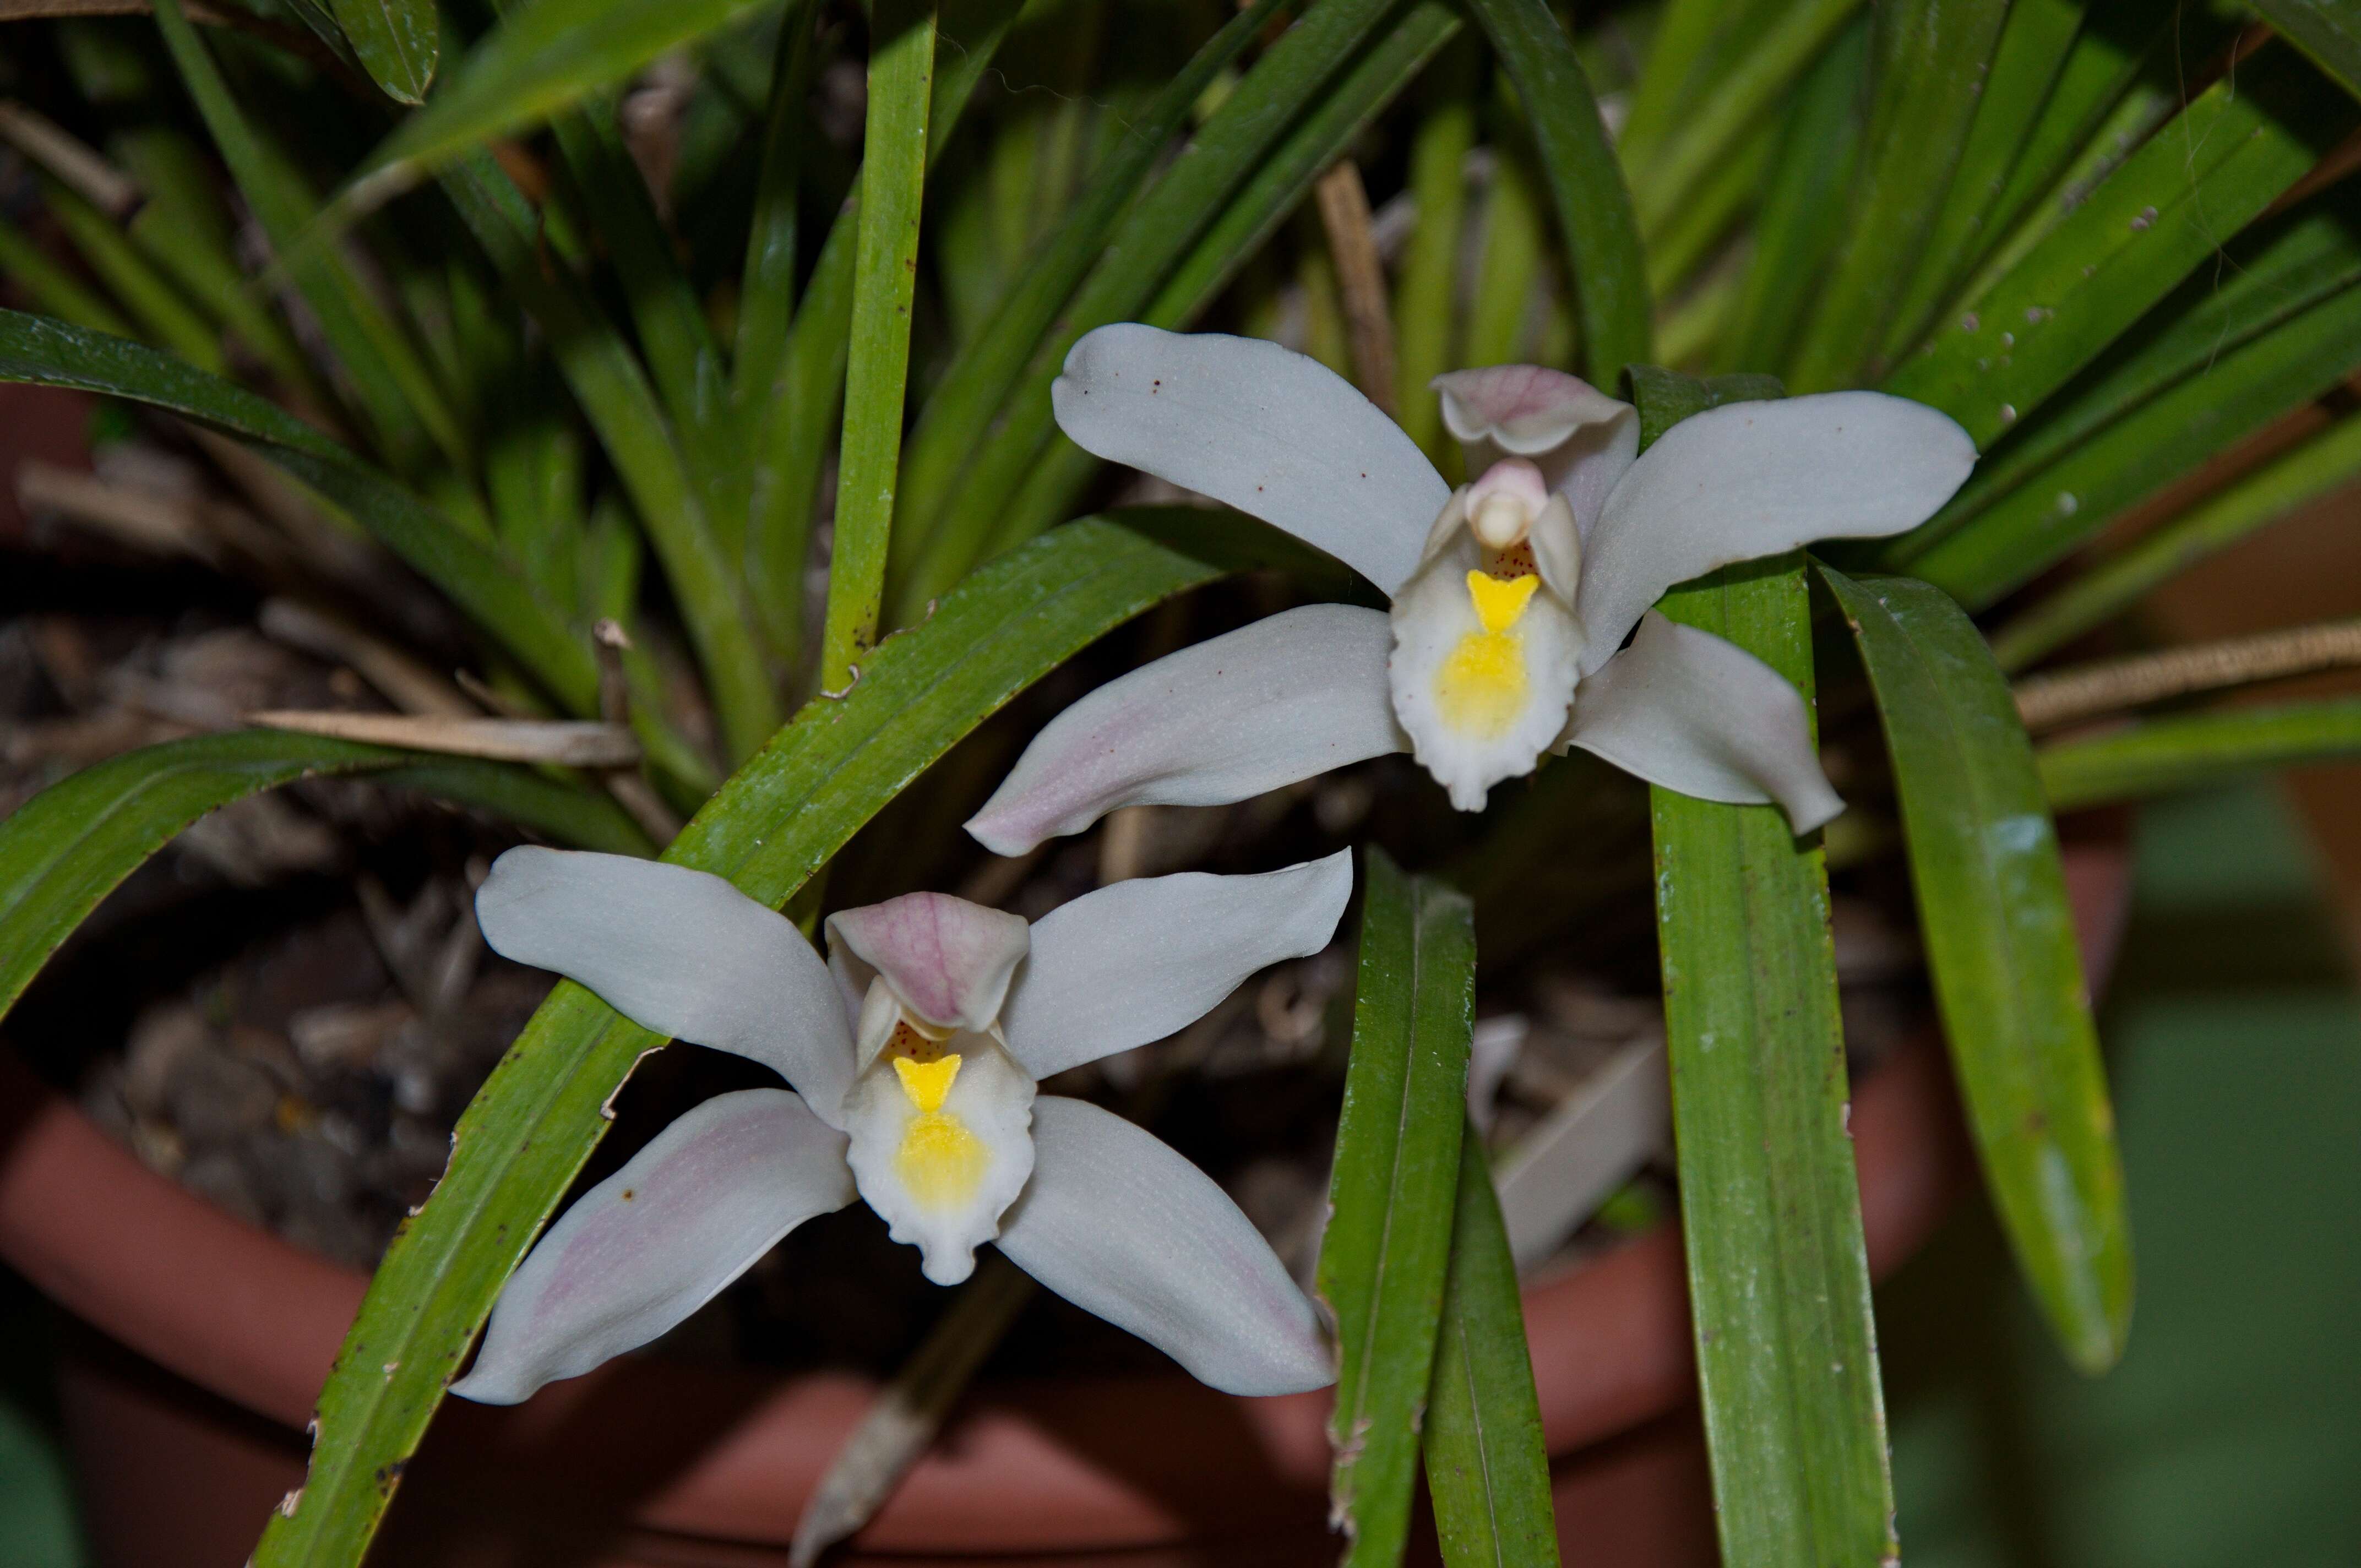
(901, 1425)
(2110, 686)
(893, 176)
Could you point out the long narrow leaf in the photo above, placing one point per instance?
(1769, 1206)
(2198, 751)
(398, 42)
(2327, 30)
(70, 845)
(1386, 1255)
(886, 271)
(2000, 941)
(2171, 204)
(525, 1136)
(1594, 209)
(52, 353)
(1487, 1463)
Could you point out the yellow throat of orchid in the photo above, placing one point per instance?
(1480, 687)
(940, 1160)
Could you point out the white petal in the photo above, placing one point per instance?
(1557, 544)
(1467, 743)
(678, 951)
(1752, 479)
(1295, 694)
(948, 959)
(1273, 432)
(658, 1239)
(1136, 962)
(944, 1194)
(1694, 713)
(1582, 438)
(1119, 1224)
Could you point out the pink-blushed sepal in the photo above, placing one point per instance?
(658, 1239)
(949, 960)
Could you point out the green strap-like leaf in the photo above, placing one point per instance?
(70, 845)
(1778, 1275)
(1927, 68)
(52, 353)
(1594, 209)
(546, 55)
(398, 42)
(886, 275)
(2000, 941)
(1486, 1463)
(795, 804)
(2328, 462)
(1386, 1253)
(2200, 179)
(2198, 751)
(2327, 30)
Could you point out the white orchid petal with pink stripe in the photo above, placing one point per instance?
(1289, 697)
(658, 1239)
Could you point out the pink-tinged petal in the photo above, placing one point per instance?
(1270, 431)
(1139, 961)
(949, 960)
(1295, 694)
(679, 951)
(658, 1239)
(1119, 1224)
(1752, 479)
(1582, 439)
(1694, 713)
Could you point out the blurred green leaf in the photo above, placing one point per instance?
(57, 291)
(70, 846)
(974, 388)
(1594, 208)
(1386, 1255)
(393, 384)
(2165, 439)
(1928, 63)
(1804, 207)
(2327, 463)
(543, 55)
(1486, 1463)
(2154, 221)
(2327, 30)
(2000, 941)
(1770, 1205)
(171, 321)
(1426, 288)
(398, 42)
(2197, 751)
(525, 1136)
(488, 587)
(886, 275)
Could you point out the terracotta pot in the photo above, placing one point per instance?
(211, 1341)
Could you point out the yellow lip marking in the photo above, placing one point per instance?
(940, 1160)
(1480, 687)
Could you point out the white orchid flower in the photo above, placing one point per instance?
(1513, 596)
(912, 1054)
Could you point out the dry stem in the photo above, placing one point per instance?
(2089, 691)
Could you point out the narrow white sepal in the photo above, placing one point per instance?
(658, 1239)
(678, 951)
(1751, 479)
(1122, 1227)
(1139, 961)
(992, 1100)
(1272, 432)
(1285, 698)
(1431, 619)
(1699, 714)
